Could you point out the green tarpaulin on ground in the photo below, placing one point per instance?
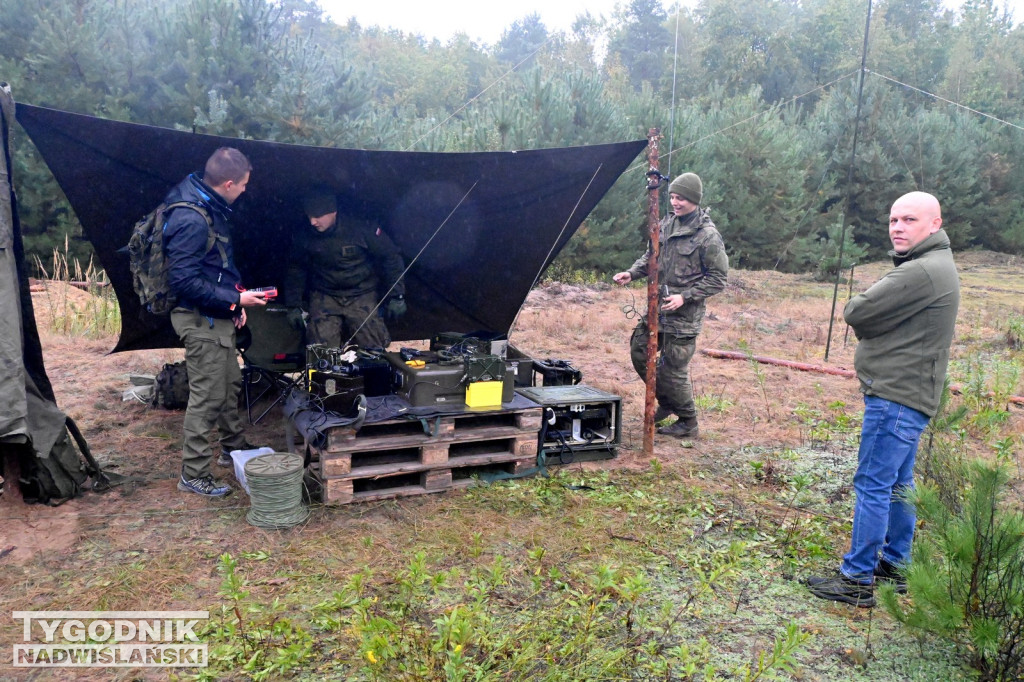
(33, 431)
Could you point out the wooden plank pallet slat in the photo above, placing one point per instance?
(430, 455)
(349, 490)
(397, 433)
(398, 458)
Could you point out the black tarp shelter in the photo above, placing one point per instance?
(476, 229)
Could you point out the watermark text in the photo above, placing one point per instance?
(110, 639)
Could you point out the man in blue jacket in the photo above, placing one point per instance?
(211, 307)
(904, 325)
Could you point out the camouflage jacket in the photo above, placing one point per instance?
(692, 262)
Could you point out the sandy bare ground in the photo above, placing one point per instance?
(746, 405)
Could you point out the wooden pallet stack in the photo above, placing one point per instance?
(401, 457)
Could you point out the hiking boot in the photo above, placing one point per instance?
(840, 588)
(662, 413)
(889, 573)
(681, 428)
(204, 485)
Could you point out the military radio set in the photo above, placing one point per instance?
(338, 377)
(457, 370)
(466, 371)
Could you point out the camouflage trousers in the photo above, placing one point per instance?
(214, 382)
(336, 320)
(673, 387)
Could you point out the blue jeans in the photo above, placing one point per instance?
(883, 520)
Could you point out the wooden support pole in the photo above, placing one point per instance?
(653, 298)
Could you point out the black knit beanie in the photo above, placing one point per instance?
(319, 203)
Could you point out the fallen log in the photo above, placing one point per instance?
(764, 360)
(821, 369)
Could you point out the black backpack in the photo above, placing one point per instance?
(171, 388)
(147, 261)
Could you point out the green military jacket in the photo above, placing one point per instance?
(692, 262)
(352, 258)
(905, 323)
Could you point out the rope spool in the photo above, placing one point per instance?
(275, 490)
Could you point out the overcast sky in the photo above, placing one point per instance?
(485, 20)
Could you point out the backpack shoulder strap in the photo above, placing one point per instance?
(220, 241)
(198, 208)
(213, 239)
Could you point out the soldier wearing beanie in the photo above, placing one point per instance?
(693, 265)
(341, 268)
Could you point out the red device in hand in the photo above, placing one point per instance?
(269, 293)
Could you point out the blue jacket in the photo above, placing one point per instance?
(204, 279)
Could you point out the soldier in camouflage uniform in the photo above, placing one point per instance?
(344, 266)
(694, 266)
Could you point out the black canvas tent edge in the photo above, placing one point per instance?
(476, 229)
(34, 434)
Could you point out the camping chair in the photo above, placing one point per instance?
(274, 362)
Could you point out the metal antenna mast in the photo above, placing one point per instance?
(849, 181)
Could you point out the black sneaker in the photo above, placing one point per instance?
(204, 485)
(224, 460)
(840, 588)
(889, 573)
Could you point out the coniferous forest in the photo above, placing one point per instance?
(760, 98)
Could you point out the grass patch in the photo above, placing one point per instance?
(683, 566)
(596, 575)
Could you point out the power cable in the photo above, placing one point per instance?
(275, 490)
(672, 113)
(769, 110)
(554, 243)
(799, 224)
(849, 180)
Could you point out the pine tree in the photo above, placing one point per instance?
(642, 41)
(966, 580)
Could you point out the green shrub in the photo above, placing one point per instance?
(966, 580)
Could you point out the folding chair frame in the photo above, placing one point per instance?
(253, 376)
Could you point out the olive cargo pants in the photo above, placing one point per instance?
(214, 382)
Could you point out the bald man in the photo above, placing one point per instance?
(904, 326)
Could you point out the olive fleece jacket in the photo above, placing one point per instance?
(904, 324)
